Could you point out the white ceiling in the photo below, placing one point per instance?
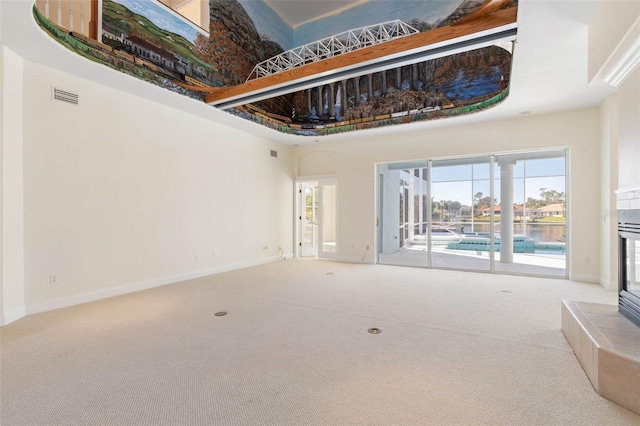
(549, 69)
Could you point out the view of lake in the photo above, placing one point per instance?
(541, 232)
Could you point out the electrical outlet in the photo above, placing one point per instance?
(213, 253)
(53, 279)
(197, 257)
(265, 247)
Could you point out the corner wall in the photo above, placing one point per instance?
(629, 133)
(609, 182)
(612, 31)
(122, 193)
(12, 294)
(613, 59)
(578, 130)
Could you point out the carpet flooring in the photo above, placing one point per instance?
(456, 348)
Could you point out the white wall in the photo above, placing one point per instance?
(614, 31)
(579, 130)
(608, 27)
(629, 131)
(122, 193)
(609, 182)
(12, 294)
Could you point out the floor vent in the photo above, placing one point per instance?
(64, 96)
(274, 153)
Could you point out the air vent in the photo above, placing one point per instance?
(65, 96)
(274, 153)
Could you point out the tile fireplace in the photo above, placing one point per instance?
(629, 267)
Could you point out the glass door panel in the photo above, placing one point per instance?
(308, 219)
(328, 219)
(531, 213)
(460, 214)
(402, 218)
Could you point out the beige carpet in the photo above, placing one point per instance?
(456, 348)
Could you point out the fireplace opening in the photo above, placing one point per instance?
(629, 269)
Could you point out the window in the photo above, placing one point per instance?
(500, 213)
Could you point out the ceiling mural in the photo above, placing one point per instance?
(148, 40)
(421, 14)
(438, 88)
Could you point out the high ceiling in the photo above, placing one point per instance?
(549, 67)
(549, 71)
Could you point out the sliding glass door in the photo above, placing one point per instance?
(533, 233)
(503, 213)
(460, 215)
(402, 233)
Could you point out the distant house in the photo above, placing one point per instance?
(557, 210)
(149, 51)
(518, 210)
(485, 210)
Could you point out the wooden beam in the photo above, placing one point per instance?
(371, 54)
(93, 22)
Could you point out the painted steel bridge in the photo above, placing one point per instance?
(331, 46)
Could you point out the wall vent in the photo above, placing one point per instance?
(65, 96)
(274, 153)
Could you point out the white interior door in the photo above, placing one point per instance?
(328, 218)
(317, 218)
(308, 218)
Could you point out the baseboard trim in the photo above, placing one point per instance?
(607, 284)
(585, 278)
(12, 316)
(93, 296)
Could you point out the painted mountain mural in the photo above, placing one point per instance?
(268, 23)
(174, 52)
(234, 44)
(145, 39)
(442, 87)
(452, 85)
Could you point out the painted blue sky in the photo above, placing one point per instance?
(159, 15)
(269, 22)
(372, 12)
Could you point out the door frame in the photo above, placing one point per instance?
(319, 253)
(301, 225)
